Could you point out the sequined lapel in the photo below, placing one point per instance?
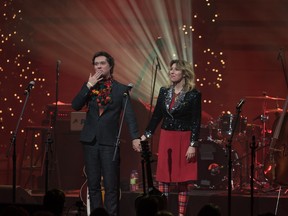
(177, 103)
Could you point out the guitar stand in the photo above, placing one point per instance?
(278, 198)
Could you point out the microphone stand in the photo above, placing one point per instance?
(229, 147)
(13, 145)
(126, 95)
(157, 68)
(52, 125)
(281, 56)
(48, 143)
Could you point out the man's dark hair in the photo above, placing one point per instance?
(209, 209)
(147, 205)
(109, 58)
(54, 201)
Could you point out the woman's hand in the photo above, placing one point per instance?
(191, 154)
(136, 145)
(143, 138)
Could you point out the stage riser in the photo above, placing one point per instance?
(240, 204)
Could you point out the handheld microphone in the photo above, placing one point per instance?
(280, 54)
(241, 102)
(158, 63)
(58, 65)
(129, 87)
(29, 87)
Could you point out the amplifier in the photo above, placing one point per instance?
(77, 121)
(63, 111)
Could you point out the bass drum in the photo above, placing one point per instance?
(213, 166)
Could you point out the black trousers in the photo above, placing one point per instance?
(99, 162)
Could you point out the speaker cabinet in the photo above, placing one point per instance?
(21, 195)
(66, 168)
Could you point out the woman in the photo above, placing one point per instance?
(179, 106)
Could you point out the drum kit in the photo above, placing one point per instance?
(214, 137)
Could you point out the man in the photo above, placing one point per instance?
(105, 99)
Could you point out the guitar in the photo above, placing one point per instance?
(151, 190)
(84, 192)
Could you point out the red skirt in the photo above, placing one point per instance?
(172, 165)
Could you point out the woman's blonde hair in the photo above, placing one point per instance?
(187, 71)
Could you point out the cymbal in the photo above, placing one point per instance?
(206, 115)
(265, 97)
(205, 118)
(274, 110)
(61, 103)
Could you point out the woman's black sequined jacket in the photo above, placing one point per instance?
(183, 116)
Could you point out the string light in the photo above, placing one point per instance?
(209, 63)
(17, 68)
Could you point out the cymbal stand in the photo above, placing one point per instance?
(260, 157)
(253, 149)
(264, 118)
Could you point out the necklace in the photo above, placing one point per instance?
(176, 95)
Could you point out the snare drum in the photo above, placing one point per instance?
(226, 123)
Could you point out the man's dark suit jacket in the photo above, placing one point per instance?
(105, 127)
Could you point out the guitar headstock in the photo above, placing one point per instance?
(146, 153)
